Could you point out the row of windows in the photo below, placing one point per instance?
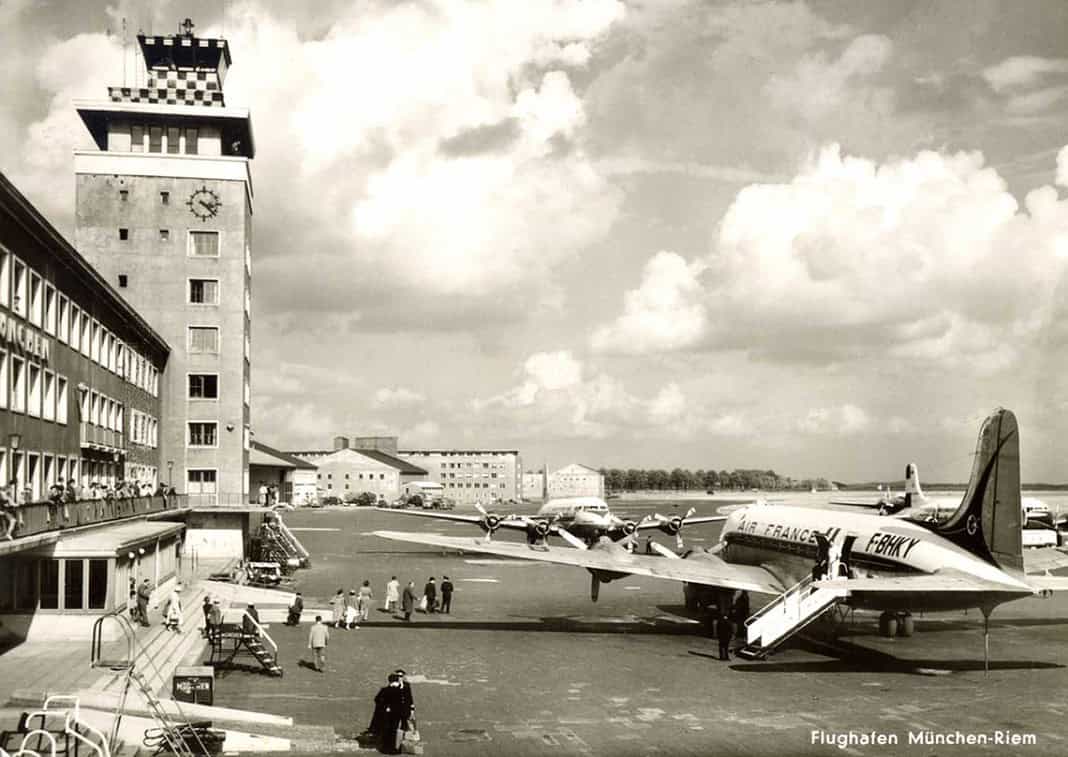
(32, 298)
(469, 475)
(34, 472)
(26, 387)
(101, 410)
(144, 429)
(370, 476)
(199, 244)
(485, 466)
(55, 584)
(475, 485)
(170, 140)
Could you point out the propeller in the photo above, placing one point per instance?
(664, 551)
(571, 539)
(537, 530)
(490, 521)
(673, 526)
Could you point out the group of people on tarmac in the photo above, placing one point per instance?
(349, 610)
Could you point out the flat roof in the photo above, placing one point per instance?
(111, 540)
(233, 122)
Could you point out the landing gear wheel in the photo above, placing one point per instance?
(907, 626)
(888, 625)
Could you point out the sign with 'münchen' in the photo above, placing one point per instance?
(29, 340)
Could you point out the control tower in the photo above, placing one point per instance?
(164, 212)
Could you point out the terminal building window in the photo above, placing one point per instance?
(203, 434)
(204, 339)
(5, 277)
(155, 139)
(204, 244)
(18, 384)
(18, 288)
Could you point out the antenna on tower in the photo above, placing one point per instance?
(124, 82)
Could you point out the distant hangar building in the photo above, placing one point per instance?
(574, 480)
(345, 470)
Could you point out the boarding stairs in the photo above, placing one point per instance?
(229, 639)
(55, 730)
(780, 619)
(278, 544)
(179, 737)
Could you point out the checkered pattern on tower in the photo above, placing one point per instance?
(174, 87)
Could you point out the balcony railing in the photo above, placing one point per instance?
(42, 517)
(100, 437)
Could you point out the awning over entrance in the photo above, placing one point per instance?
(110, 541)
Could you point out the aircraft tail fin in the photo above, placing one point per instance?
(912, 481)
(987, 522)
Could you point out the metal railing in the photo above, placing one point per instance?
(42, 517)
(223, 499)
(262, 631)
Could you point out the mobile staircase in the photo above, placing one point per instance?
(278, 544)
(230, 638)
(780, 619)
(177, 737)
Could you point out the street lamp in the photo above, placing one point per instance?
(170, 473)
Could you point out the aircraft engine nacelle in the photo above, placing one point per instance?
(671, 526)
(538, 530)
(490, 522)
(628, 527)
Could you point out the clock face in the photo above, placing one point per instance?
(204, 203)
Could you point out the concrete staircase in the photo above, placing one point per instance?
(164, 650)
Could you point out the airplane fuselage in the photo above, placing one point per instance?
(783, 541)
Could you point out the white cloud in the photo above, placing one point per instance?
(1022, 71)
(664, 313)
(819, 86)
(928, 258)
(553, 370)
(844, 419)
(1062, 167)
(393, 398)
(668, 406)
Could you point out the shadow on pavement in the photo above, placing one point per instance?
(853, 658)
(551, 624)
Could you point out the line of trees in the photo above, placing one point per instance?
(681, 479)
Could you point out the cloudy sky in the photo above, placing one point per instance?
(821, 237)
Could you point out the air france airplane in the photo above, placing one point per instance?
(580, 521)
(814, 559)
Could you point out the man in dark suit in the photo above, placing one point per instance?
(430, 591)
(446, 594)
(724, 632)
(407, 703)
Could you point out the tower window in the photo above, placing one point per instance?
(137, 139)
(203, 434)
(122, 281)
(165, 198)
(204, 291)
(155, 139)
(204, 244)
(164, 235)
(124, 195)
(191, 141)
(173, 140)
(204, 339)
(203, 386)
(124, 234)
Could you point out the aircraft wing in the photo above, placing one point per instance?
(1048, 583)
(939, 581)
(647, 524)
(709, 571)
(872, 503)
(515, 522)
